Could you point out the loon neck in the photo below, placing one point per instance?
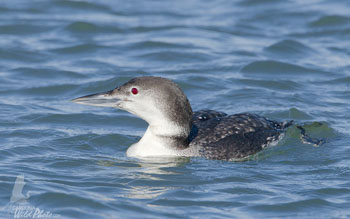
(161, 141)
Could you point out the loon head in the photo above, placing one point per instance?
(158, 101)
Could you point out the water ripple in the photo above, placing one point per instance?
(286, 60)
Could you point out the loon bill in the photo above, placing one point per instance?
(174, 130)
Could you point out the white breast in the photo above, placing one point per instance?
(151, 146)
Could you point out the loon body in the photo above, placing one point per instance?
(174, 130)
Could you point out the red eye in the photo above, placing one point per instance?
(134, 91)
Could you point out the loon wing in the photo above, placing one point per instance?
(236, 136)
(204, 115)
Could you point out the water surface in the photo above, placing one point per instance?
(281, 59)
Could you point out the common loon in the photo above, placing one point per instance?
(174, 130)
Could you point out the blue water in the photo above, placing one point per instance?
(281, 59)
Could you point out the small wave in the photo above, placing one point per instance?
(293, 206)
(23, 29)
(56, 196)
(81, 27)
(292, 113)
(81, 5)
(155, 45)
(289, 48)
(79, 49)
(331, 21)
(337, 82)
(254, 3)
(23, 55)
(51, 90)
(45, 73)
(282, 85)
(281, 68)
(174, 56)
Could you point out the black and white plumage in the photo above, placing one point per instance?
(228, 137)
(174, 130)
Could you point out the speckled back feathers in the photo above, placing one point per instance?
(229, 137)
